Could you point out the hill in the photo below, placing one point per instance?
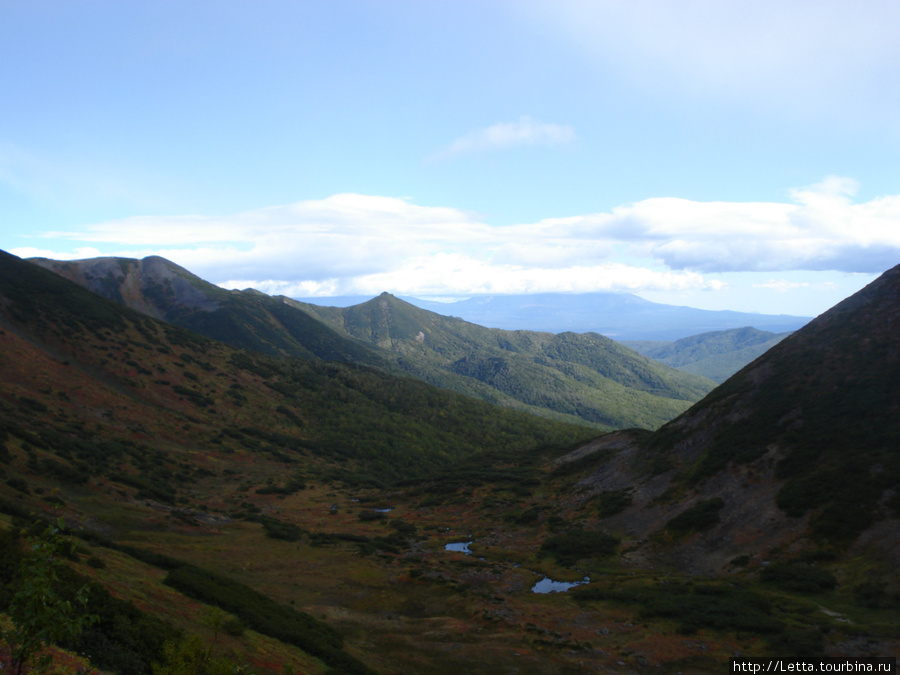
(579, 379)
(123, 424)
(717, 355)
(574, 376)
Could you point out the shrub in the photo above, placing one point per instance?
(611, 502)
(371, 516)
(570, 547)
(701, 516)
(278, 529)
(705, 606)
(262, 614)
(798, 577)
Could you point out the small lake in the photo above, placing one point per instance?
(547, 585)
(459, 547)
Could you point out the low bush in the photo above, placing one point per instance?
(574, 545)
(701, 516)
(611, 502)
(266, 616)
(694, 607)
(798, 577)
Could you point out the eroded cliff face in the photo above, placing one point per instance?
(153, 285)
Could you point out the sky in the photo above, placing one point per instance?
(723, 154)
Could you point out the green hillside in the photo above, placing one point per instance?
(796, 454)
(570, 376)
(361, 419)
(573, 378)
(716, 355)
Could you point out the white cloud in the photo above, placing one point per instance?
(526, 131)
(821, 230)
(782, 285)
(358, 244)
(443, 273)
(77, 254)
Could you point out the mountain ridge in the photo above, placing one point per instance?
(509, 361)
(248, 319)
(529, 371)
(621, 316)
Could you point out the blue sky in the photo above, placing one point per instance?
(738, 154)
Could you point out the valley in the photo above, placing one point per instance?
(197, 475)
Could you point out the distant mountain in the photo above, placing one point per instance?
(717, 355)
(582, 379)
(621, 316)
(587, 377)
(799, 450)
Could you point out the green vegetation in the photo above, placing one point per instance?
(48, 602)
(264, 476)
(716, 606)
(191, 656)
(572, 377)
(716, 355)
(266, 616)
(798, 577)
(575, 378)
(699, 517)
(612, 502)
(826, 399)
(574, 545)
(39, 613)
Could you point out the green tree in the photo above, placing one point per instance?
(40, 615)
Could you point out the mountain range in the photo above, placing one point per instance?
(576, 378)
(322, 493)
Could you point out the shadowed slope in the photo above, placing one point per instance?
(802, 445)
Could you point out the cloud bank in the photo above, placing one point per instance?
(351, 244)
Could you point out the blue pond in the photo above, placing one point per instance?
(547, 585)
(459, 547)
